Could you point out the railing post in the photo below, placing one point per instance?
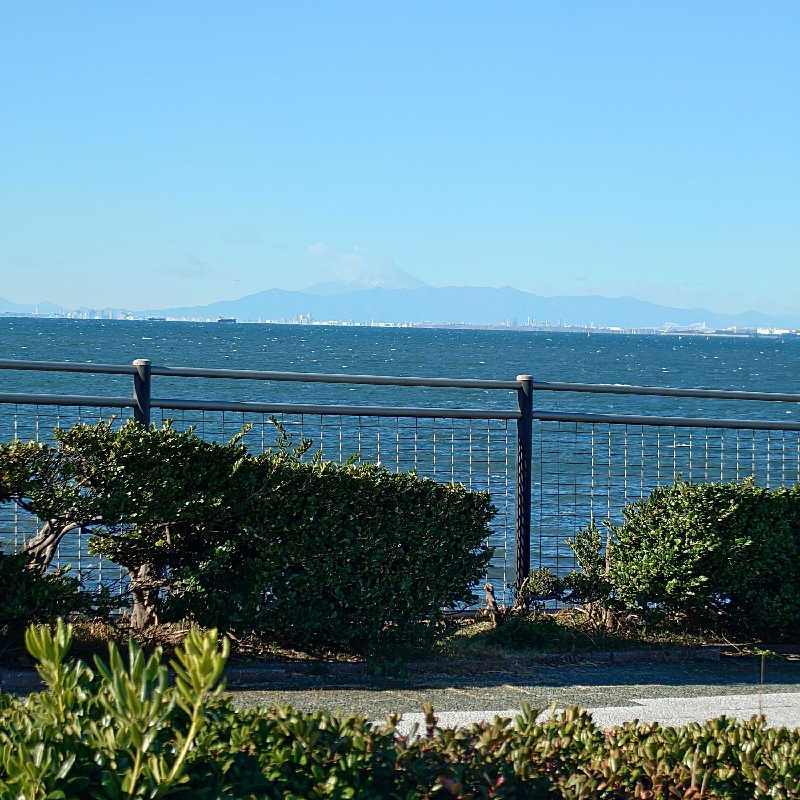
(141, 391)
(522, 542)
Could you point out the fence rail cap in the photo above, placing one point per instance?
(664, 391)
(263, 375)
(249, 407)
(99, 401)
(69, 366)
(665, 422)
(334, 377)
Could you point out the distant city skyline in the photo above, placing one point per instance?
(161, 155)
(420, 304)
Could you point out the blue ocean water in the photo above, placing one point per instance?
(579, 470)
(757, 364)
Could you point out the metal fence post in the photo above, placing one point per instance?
(141, 391)
(522, 542)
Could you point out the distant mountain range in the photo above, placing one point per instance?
(469, 305)
(7, 307)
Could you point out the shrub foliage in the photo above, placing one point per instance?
(727, 554)
(315, 553)
(703, 549)
(349, 556)
(28, 596)
(122, 730)
(148, 495)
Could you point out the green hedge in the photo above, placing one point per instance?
(27, 596)
(148, 496)
(122, 730)
(730, 551)
(348, 557)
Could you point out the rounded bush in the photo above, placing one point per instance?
(28, 596)
(712, 548)
(349, 557)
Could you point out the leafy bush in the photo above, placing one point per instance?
(351, 557)
(28, 596)
(127, 732)
(317, 554)
(162, 498)
(730, 551)
(123, 733)
(148, 495)
(542, 632)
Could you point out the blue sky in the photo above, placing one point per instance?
(158, 154)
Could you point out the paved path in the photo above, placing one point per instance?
(780, 709)
(669, 693)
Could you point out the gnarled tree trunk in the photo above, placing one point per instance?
(144, 586)
(42, 547)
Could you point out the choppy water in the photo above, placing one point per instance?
(757, 364)
(579, 470)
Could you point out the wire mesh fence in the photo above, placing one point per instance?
(586, 470)
(37, 422)
(583, 465)
(479, 453)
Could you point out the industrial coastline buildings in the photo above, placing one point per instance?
(530, 324)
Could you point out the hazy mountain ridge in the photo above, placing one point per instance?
(7, 307)
(470, 305)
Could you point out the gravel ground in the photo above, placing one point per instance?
(618, 685)
(586, 684)
(780, 709)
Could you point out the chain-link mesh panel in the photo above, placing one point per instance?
(477, 453)
(36, 423)
(592, 470)
(480, 454)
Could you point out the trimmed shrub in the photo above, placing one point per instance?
(28, 596)
(148, 495)
(319, 555)
(350, 557)
(123, 730)
(163, 499)
(712, 549)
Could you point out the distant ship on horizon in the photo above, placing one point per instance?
(226, 319)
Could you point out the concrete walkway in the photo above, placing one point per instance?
(672, 694)
(781, 709)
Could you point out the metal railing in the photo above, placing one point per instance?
(474, 446)
(549, 472)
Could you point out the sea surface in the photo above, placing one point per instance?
(580, 470)
(756, 364)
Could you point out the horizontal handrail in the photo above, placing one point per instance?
(68, 366)
(394, 411)
(262, 375)
(400, 380)
(21, 398)
(663, 391)
(325, 377)
(335, 410)
(666, 422)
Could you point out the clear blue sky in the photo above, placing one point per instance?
(171, 153)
